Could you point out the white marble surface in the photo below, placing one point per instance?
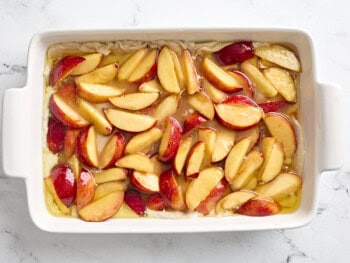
(326, 239)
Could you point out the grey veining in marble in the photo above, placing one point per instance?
(326, 239)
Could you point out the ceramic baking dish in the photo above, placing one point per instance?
(322, 120)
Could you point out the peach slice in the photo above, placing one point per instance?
(170, 190)
(109, 175)
(279, 55)
(273, 106)
(208, 136)
(134, 101)
(55, 137)
(216, 95)
(157, 165)
(219, 77)
(74, 164)
(145, 182)
(99, 76)
(263, 85)
(137, 161)
(280, 127)
(112, 151)
(89, 64)
(146, 69)
(128, 121)
(51, 189)
(181, 155)
(178, 69)
(283, 185)
(167, 107)
(240, 99)
(225, 139)
(143, 141)
(194, 160)
(259, 207)
(200, 188)
(67, 90)
(235, 158)
(155, 202)
(253, 132)
(251, 185)
(244, 81)
(109, 187)
(102, 208)
(70, 142)
(170, 140)
(134, 200)
(151, 86)
(85, 188)
(98, 93)
(190, 72)
(86, 148)
(202, 103)
(282, 81)
(238, 116)
(65, 113)
(193, 120)
(215, 195)
(166, 71)
(127, 69)
(235, 53)
(95, 116)
(63, 68)
(273, 159)
(233, 201)
(249, 166)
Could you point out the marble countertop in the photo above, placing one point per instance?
(326, 239)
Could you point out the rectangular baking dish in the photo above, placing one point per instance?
(322, 122)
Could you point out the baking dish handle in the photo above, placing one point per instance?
(15, 146)
(333, 122)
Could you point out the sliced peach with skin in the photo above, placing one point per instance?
(63, 68)
(259, 207)
(273, 106)
(56, 135)
(273, 159)
(181, 155)
(134, 101)
(166, 71)
(208, 136)
(86, 148)
(238, 116)
(199, 188)
(190, 72)
(202, 103)
(283, 185)
(235, 158)
(261, 83)
(65, 113)
(193, 120)
(68, 91)
(240, 99)
(112, 174)
(137, 161)
(194, 160)
(51, 188)
(142, 141)
(134, 200)
(98, 93)
(244, 81)
(100, 75)
(167, 107)
(280, 127)
(282, 81)
(109, 187)
(233, 201)
(178, 69)
(170, 140)
(246, 172)
(89, 64)
(128, 121)
(155, 202)
(94, 116)
(150, 86)
(279, 55)
(219, 77)
(216, 95)
(209, 203)
(112, 151)
(170, 190)
(235, 53)
(102, 208)
(146, 69)
(129, 66)
(144, 182)
(225, 139)
(70, 141)
(85, 188)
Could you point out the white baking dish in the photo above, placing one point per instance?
(322, 118)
